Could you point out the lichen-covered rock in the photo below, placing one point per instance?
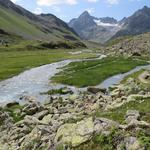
(102, 125)
(41, 114)
(75, 133)
(6, 121)
(32, 108)
(132, 115)
(47, 119)
(132, 143)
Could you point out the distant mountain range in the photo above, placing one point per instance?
(136, 24)
(94, 29)
(15, 20)
(104, 29)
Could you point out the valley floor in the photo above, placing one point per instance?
(14, 62)
(118, 121)
(95, 119)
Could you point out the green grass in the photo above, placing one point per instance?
(57, 91)
(14, 62)
(103, 142)
(91, 73)
(14, 23)
(12, 110)
(135, 76)
(117, 114)
(144, 138)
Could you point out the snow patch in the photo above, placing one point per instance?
(100, 23)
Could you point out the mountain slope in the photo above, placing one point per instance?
(94, 29)
(17, 20)
(103, 29)
(130, 45)
(138, 23)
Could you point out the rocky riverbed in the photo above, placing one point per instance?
(80, 121)
(35, 81)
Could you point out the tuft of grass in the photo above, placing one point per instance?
(135, 77)
(117, 114)
(60, 147)
(91, 73)
(144, 138)
(14, 111)
(57, 91)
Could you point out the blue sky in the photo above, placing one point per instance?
(68, 9)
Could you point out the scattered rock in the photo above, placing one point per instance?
(41, 114)
(32, 108)
(67, 120)
(102, 125)
(67, 91)
(132, 115)
(96, 90)
(12, 104)
(131, 143)
(6, 122)
(47, 119)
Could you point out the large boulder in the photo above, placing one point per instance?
(27, 98)
(33, 141)
(29, 121)
(76, 133)
(32, 108)
(95, 90)
(47, 119)
(41, 114)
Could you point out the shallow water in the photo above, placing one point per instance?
(34, 81)
(30, 82)
(116, 79)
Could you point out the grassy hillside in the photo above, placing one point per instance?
(19, 57)
(14, 23)
(15, 20)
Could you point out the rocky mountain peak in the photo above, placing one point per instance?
(85, 14)
(146, 8)
(144, 11)
(93, 28)
(109, 20)
(6, 3)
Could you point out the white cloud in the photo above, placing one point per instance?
(56, 9)
(112, 2)
(93, 1)
(14, 1)
(58, 2)
(90, 10)
(55, 2)
(38, 10)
